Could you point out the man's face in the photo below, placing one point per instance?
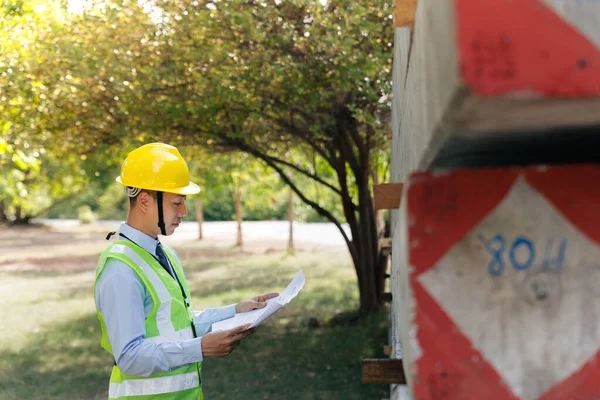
(173, 210)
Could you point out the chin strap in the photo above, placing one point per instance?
(161, 220)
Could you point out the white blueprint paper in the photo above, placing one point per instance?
(256, 317)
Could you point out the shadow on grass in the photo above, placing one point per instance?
(322, 363)
(63, 363)
(68, 363)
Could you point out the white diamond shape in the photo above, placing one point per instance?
(535, 326)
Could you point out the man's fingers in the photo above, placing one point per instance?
(247, 333)
(267, 296)
(243, 334)
(239, 330)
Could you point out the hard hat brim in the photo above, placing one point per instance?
(191, 188)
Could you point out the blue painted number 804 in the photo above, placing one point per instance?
(496, 246)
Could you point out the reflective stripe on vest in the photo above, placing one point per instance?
(151, 386)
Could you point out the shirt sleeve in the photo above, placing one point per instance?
(120, 297)
(204, 319)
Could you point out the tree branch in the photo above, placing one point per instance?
(303, 136)
(306, 173)
(243, 147)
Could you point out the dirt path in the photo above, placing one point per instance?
(40, 248)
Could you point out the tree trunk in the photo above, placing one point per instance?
(382, 262)
(18, 213)
(3, 216)
(291, 220)
(199, 218)
(238, 212)
(370, 300)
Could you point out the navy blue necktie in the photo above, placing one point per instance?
(162, 258)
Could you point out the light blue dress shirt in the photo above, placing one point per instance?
(125, 302)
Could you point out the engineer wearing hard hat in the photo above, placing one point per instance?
(142, 297)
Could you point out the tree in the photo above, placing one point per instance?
(285, 76)
(35, 171)
(302, 86)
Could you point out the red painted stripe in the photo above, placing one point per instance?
(582, 385)
(444, 214)
(450, 368)
(575, 192)
(509, 46)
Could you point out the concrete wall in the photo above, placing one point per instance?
(425, 77)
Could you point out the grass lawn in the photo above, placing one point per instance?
(49, 334)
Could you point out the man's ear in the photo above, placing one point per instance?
(143, 201)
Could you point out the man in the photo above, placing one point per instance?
(142, 296)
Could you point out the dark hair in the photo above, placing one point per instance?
(133, 200)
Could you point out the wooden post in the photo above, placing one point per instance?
(291, 220)
(199, 218)
(238, 212)
(3, 216)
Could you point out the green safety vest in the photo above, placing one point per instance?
(171, 319)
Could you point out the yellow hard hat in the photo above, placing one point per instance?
(157, 166)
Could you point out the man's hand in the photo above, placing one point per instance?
(222, 343)
(256, 302)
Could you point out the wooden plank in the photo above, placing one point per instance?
(503, 256)
(404, 13)
(385, 243)
(386, 196)
(383, 371)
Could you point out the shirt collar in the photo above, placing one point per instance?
(146, 242)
